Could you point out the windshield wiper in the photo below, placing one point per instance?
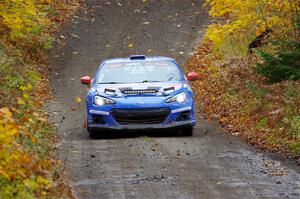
(110, 83)
(170, 78)
(145, 81)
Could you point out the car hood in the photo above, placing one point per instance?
(140, 89)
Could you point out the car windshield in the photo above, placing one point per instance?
(138, 71)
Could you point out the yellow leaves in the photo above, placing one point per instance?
(243, 20)
(6, 112)
(27, 87)
(215, 34)
(24, 23)
(130, 45)
(4, 174)
(9, 150)
(21, 101)
(41, 180)
(20, 16)
(25, 135)
(8, 127)
(260, 29)
(30, 184)
(26, 96)
(15, 161)
(78, 99)
(223, 120)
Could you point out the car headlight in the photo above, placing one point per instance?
(181, 97)
(100, 101)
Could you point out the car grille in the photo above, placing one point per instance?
(140, 115)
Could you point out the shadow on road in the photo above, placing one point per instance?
(119, 134)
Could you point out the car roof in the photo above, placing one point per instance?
(138, 58)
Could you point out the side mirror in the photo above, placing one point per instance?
(86, 80)
(192, 76)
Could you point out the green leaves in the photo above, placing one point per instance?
(283, 64)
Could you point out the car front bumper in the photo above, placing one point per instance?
(144, 126)
(106, 119)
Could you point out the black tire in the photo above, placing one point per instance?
(93, 133)
(187, 131)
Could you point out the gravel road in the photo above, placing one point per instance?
(150, 165)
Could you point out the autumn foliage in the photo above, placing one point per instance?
(23, 174)
(238, 22)
(27, 166)
(234, 88)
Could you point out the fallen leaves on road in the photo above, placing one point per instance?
(130, 45)
(266, 115)
(78, 99)
(76, 36)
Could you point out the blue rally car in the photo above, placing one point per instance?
(139, 93)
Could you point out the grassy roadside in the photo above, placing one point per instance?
(28, 168)
(255, 96)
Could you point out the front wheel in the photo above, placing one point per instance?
(187, 131)
(93, 134)
(92, 131)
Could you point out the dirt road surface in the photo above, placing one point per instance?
(207, 165)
